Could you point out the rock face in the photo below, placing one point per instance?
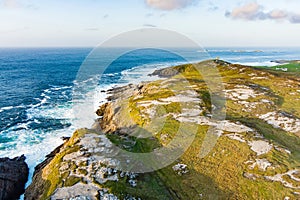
(13, 177)
(165, 73)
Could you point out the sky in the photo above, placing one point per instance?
(87, 23)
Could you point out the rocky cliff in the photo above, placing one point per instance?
(256, 154)
(13, 177)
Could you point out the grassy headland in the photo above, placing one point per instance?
(256, 156)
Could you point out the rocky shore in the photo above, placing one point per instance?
(256, 155)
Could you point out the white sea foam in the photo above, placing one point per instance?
(84, 108)
(56, 88)
(10, 107)
(7, 108)
(110, 74)
(266, 63)
(58, 112)
(23, 126)
(42, 101)
(141, 73)
(34, 144)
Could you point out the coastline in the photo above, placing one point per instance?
(111, 126)
(32, 130)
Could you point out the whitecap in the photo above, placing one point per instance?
(36, 121)
(22, 126)
(55, 87)
(110, 74)
(6, 108)
(11, 107)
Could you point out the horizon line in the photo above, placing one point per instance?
(203, 47)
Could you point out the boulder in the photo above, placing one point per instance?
(13, 177)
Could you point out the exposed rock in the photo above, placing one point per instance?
(107, 196)
(78, 191)
(221, 62)
(283, 121)
(13, 177)
(123, 91)
(107, 114)
(236, 136)
(286, 183)
(241, 92)
(180, 169)
(262, 164)
(250, 176)
(101, 111)
(260, 146)
(165, 73)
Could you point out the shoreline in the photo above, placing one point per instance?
(113, 121)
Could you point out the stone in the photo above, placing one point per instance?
(13, 177)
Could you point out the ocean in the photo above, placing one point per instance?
(37, 88)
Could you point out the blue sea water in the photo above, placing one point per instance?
(37, 88)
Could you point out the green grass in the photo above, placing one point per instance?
(133, 144)
(149, 186)
(290, 70)
(173, 107)
(290, 67)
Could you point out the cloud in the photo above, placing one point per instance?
(169, 4)
(212, 7)
(278, 14)
(11, 4)
(249, 11)
(17, 4)
(253, 11)
(149, 25)
(295, 18)
(149, 15)
(162, 15)
(92, 29)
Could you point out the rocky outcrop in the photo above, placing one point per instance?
(165, 73)
(13, 177)
(106, 113)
